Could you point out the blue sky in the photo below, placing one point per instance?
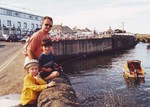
(93, 14)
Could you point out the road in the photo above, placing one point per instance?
(7, 49)
(11, 67)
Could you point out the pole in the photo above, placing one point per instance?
(123, 26)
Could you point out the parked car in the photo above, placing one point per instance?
(24, 39)
(2, 38)
(11, 38)
(19, 37)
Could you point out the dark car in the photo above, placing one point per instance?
(2, 38)
(12, 38)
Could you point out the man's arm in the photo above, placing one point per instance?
(30, 54)
(32, 46)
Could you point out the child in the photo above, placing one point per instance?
(33, 84)
(46, 61)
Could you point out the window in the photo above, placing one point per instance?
(27, 16)
(30, 17)
(16, 14)
(13, 25)
(19, 24)
(2, 11)
(8, 22)
(25, 25)
(34, 17)
(9, 12)
(39, 18)
(32, 26)
(37, 26)
(22, 15)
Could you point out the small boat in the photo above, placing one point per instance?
(133, 69)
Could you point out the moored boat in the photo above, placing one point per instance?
(133, 69)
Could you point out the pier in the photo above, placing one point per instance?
(66, 49)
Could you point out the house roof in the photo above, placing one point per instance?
(61, 28)
(58, 27)
(86, 30)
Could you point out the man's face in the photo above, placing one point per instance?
(47, 25)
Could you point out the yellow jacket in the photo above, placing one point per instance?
(31, 89)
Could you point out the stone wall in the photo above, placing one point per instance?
(71, 48)
(120, 42)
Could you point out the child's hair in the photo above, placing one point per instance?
(46, 42)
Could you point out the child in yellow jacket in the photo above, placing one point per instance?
(33, 84)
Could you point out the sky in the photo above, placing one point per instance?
(130, 15)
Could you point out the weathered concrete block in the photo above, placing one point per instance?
(61, 95)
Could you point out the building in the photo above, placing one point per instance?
(17, 22)
(82, 32)
(61, 30)
(109, 31)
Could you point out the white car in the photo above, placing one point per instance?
(25, 39)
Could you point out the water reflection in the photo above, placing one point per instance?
(98, 61)
(86, 64)
(133, 82)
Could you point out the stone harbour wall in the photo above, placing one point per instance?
(71, 48)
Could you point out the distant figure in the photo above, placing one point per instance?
(49, 69)
(34, 48)
(33, 84)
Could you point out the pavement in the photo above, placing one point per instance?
(10, 100)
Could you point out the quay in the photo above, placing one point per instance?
(67, 49)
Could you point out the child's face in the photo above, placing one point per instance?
(47, 49)
(34, 70)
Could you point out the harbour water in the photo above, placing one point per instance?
(99, 82)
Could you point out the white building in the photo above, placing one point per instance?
(17, 22)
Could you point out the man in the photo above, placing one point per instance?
(34, 48)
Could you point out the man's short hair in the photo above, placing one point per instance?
(47, 17)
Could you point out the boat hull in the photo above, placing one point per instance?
(128, 74)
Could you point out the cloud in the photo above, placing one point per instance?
(105, 13)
